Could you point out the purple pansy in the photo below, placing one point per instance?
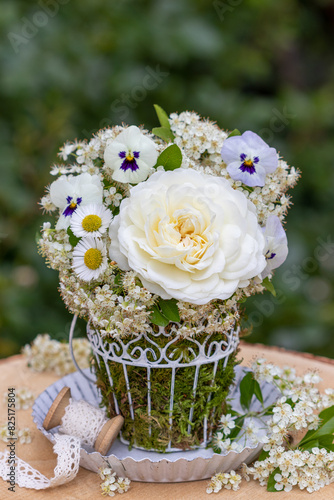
(276, 246)
(129, 160)
(249, 159)
(72, 204)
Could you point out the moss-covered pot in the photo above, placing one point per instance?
(170, 390)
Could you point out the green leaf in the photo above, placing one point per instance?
(271, 481)
(233, 133)
(269, 286)
(326, 414)
(162, 116)
(170, 158)
(118, 279)
(74, 240)
(326, 428)
(246, 390)
(164, 133)
(157, 318)
(169, 309)
(263, 455)
(258, 392)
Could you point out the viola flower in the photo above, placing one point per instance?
(90, 220)
(68, 193)
(89, 259)
(130, 156)
(276, 246)
(249, 159)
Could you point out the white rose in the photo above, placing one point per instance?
(188, 236)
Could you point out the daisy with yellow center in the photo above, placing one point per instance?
(89, 259)
(90, 220)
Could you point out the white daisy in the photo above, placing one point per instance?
(89, 259)
(67, 193)
(90, 220)
(130, 156)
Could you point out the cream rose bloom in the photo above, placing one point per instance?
(188, 236)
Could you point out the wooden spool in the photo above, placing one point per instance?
(57, 409)
(106, 436)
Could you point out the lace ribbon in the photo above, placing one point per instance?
(68, 450)
(81, 424)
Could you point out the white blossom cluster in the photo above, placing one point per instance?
(24, 398)
(112, 484)
(229, 480)
(46, 354)
(295, 413)
(22, 435)
(310, 470)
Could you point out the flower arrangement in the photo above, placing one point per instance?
(162, 235)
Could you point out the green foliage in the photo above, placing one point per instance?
(162, 116)
(249, 387)
(164, 133)
(170, 158)
(64, 83)
(269, 286)
(322, 437)
(72, 238)
(234, 132)
(164, 312)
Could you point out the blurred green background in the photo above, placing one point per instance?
(70, 67)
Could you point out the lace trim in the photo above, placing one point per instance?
(67, 449)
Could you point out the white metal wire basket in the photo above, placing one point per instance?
(169, 358)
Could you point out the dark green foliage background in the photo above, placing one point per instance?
(265, 66)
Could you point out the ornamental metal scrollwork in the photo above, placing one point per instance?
(171, 355)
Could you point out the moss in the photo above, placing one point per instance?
(154, 431)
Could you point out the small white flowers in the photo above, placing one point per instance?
(89, 259)
(46, 354)
(90, 220)
(130, 156)
(249, 159)
(276, 246)
(286, 464)
(229, 480)
(227, 423)
(111, 483)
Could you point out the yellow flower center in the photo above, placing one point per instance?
(129, 157)
(248, 163)
(91, 223)
(93, 258)
(73, 205)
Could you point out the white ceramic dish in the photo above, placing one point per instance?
(150, 466)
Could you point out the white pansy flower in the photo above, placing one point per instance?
(130, 156)
(89, 259)
(67, 193)
(276, 247)
(188, 236)
(90, 220)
